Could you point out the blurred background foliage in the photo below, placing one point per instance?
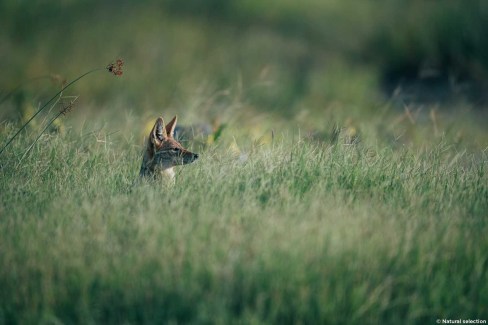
(317, 62)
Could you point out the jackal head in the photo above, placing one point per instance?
(163, 152)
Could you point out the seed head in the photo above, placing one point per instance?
(67, 107)
(116, 68)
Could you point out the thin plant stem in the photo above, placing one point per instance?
(39, 136)
(51, 108)
(61, 112)
(45, 105)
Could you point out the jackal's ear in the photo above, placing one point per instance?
(158, 132)
(170, 127)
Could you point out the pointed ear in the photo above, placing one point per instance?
(158, 132)
(170, 127)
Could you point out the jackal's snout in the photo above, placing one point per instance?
(189, 157)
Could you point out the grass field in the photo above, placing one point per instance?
(290, 231)
(333, 192)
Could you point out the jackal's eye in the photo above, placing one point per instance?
(175, 149)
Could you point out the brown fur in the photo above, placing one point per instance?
(163, 152)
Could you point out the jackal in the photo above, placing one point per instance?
(163, 152)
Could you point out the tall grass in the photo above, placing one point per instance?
(290, 232)
(114, 68)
